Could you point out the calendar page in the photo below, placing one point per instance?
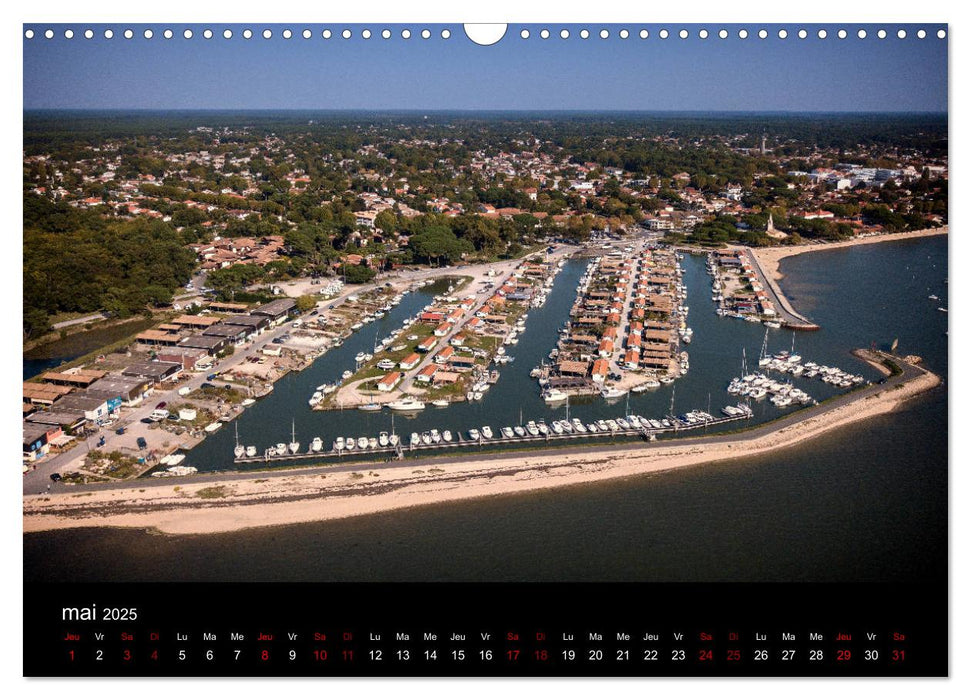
(520, 350)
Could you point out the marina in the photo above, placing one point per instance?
(629, 426)
(502, 388)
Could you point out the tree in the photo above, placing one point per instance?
(387, 222)
(306, 302)
(36, 322)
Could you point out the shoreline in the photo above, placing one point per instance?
(209, 507)
(769, 258)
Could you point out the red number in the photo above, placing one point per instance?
(513, 654)
(843, 654)
(320, 654)
(733, 655)
(70, 653)
(126, 655)
(265, 655)
(154, 655)
(898, 655)
(542, 655)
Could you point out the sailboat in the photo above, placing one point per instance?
(294, 445)
(764, 358)
(239, 450)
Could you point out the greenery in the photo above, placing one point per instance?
(75, 261)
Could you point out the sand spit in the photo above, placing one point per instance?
(221, 506)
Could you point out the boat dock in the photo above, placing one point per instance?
(674, 425)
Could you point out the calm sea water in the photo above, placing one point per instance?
(864, 503)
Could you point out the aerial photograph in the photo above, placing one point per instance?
(334, 303)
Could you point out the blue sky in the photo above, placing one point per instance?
(534, 74)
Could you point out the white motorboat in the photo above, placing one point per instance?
(554, 396)
(251, 450)
(362, 443)
(473, 434)
(316, 445)
(383, 439)
(447, 435)
(406, 404)
(486, 432)
(613, 393)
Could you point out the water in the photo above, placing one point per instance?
(716, 356)
(864, 503)
(50, 355)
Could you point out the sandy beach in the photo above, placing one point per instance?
(769, 257)
(220, 506)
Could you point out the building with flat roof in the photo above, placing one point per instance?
(210, 343)
(276, 310)
(155, 372)
(234, 334)
(69, 421)
(130, 389)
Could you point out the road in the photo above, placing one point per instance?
(75, 321)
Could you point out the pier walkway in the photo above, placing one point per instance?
(788, 316)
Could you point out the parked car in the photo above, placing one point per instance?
(207, 385)
(120, 431)
(141, 443)
(161, 404)
(55, 477)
